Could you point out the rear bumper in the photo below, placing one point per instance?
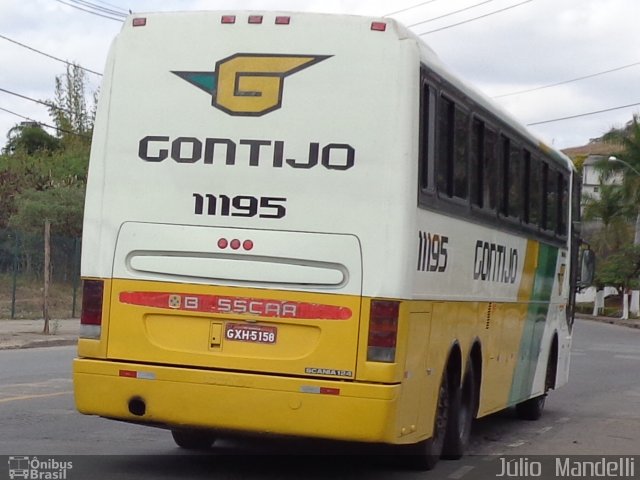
(239, 402)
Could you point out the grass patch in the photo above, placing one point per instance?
(29, 298)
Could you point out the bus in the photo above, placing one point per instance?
(305, 225)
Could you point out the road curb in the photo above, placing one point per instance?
(56, 342)
(611, 321)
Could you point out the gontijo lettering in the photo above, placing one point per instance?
(495, 263)
(156, 148)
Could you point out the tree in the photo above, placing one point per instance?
(30, 138)
(629, 139)
(612, 209)
(62, 205)
(620, 270)
(69, 110)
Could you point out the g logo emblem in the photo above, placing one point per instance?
(249, 84)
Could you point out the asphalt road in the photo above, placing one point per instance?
(597, 413)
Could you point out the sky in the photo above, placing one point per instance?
(501, 47)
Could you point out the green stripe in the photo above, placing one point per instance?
(535, 322)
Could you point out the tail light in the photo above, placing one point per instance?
(383, 331)
(91, 317)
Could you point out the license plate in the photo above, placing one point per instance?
(240, 332)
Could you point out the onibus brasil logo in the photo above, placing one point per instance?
(249, 84)
(34, 468)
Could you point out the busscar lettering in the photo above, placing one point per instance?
(251, 152)
(256, 307)
(495, 263)
(433, 254)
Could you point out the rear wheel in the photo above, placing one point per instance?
(192, 439)
(463, 402)
(424, 455)
(531, 409)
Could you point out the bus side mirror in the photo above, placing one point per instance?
(587, 268)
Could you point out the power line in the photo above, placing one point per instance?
(48, 55)
(48, 105)
(18, 115)
(90, 11)
(44, 124)
(96, 7)
(408, 8)
(584, 77)
(474, 19)
(111, 5)
(449, 14)
(583, 114)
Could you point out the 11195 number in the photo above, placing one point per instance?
(239, 206)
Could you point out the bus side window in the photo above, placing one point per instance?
(460, 154)
(477, 164)
(564, 206)
(515, 182)
(491, 181)
(424, 136)
(552, 200)
(453, 135)
(535, 190)
(504, 177)
(526, 186)
(446, 113)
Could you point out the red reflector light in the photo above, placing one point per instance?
(383, 331)
(378, 26)
(283, 20)
(235, 244)
(139, 22)
(223, 243)
(255, 19)
(92, 291)
(247, 244)
(228, 19)
(128, 373)
(329, 391)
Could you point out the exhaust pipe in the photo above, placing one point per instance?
(137, 406)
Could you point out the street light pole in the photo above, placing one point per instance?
(616, 159)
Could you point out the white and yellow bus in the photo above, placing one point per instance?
(304, 224)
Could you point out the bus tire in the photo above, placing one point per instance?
(531, 409)
(463, 403)
(425, 454)
(192, 439)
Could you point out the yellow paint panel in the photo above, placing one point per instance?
(169, 334)
(529, 271)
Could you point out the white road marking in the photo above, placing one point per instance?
(627, 357)
(461, 472)
(519, 443)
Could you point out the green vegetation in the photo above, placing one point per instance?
(617, 242)
(43, 177)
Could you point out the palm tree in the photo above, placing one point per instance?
(612, 210)
(629, 139)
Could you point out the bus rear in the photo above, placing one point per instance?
(241, 166)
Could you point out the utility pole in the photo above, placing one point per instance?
(47, 274)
